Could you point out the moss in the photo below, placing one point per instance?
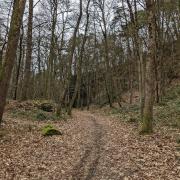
(146, 126)
(49, 130)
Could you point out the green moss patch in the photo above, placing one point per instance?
(49, 130)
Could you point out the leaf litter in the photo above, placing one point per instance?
(93, 146)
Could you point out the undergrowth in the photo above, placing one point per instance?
(36, 114)
(167, 112)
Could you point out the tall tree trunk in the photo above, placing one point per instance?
(141, 75)
(109, 79)
(150, 64)
(51, 61)
(12, 4)
(109, 88)
(39, 76)
(28, 53)
(19, 63)
(1, 57)
(138, 53)
(14, 33)
(79, 65)
(70, 58)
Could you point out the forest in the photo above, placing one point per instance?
(90, 89)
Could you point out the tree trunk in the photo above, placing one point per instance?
(14, 33)
(109, 79)
(19, 64)
(79, 66)
(138, 54)
(1, 57)
(150, 64)
(70, 58)
(28, 53)
(51, 61)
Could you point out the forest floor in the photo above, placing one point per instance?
(100, 144)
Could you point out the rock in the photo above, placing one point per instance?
(48, 107)
(49, 130)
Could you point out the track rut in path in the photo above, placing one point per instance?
(86, 167)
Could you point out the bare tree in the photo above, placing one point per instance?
(70, 59)
(79, 66)
(10, 55)
(150, 64)
(28, 53)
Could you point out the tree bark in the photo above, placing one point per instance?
(70, 58)
(52, 55)
(147, 120)
(28, 53)
(79, 66)
(138, 54)
(19, 63)
(1, 57)
(14, 33)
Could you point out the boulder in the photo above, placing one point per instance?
(48, 107)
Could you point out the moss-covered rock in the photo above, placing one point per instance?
(48, 107)
(49, 130)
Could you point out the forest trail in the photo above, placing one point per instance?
(93, 146)
(87, 166)
(120, 60)
(114, 150)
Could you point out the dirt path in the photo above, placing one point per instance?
(114, 150)
(87, 166)
(92, 147)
